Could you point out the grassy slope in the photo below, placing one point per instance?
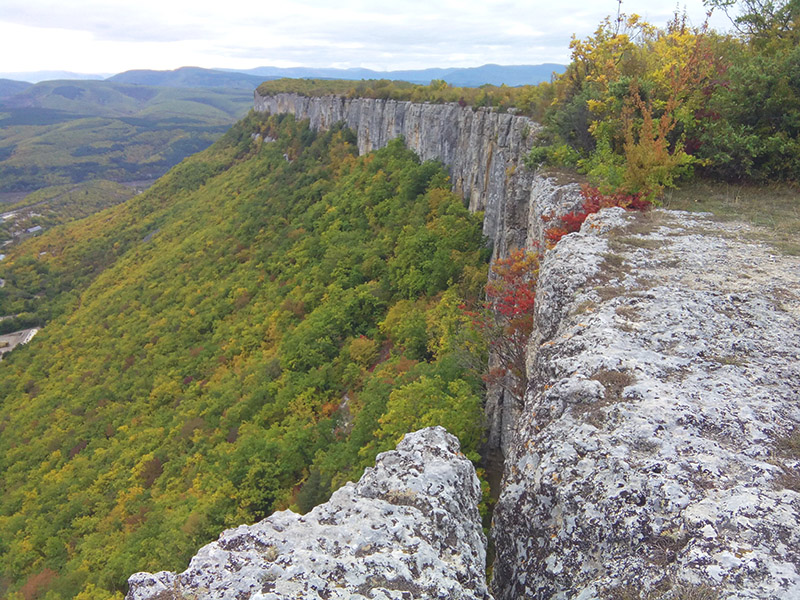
(774, 208)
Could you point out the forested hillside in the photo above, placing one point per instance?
(243, 337)
(250, 332)
(58, 132)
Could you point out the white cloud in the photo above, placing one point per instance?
(114, 35)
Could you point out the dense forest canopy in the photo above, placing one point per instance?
(244, 337)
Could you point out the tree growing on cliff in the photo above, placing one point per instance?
(505, 318)
(762, 21)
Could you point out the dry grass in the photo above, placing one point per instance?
(562, 176)
(788, 448)
(631, 313)
(584, 307)
(645, 223)
(789, 445)
(614, 382)
(775, 208)
(607, 292)
(636, 242)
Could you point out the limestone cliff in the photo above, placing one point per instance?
(657, 453)
(408, 529)
(484, 151)
(482, 148)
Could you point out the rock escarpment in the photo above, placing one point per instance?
(484, 151)
(409, 528)
(659, 445)
(657, 454)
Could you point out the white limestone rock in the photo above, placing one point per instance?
(483, 149)
(665, 371)
(408, 529)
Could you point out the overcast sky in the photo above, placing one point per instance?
(110, 36)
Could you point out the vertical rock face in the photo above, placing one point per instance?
(408, 529)
(659, 444)
(482, 148)
(484, 151)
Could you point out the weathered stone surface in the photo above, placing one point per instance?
(651, 450)
(409, 528)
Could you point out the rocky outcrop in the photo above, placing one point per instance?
(408, 529)
(659, 444)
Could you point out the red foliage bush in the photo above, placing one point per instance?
(506, 318)
(593, 201)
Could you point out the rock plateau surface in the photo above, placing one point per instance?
(408, 529)
(658, 451)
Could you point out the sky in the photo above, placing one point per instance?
(111, 36)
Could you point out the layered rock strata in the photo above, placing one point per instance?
(408, 529)
(658, 451)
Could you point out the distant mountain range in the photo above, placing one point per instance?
(68, 131)
(190, 77)
(196, 77)
(512, 75)
(37, 76)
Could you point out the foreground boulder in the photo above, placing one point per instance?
(658, 452)
(409, 528)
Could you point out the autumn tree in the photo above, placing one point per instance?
(506, 318)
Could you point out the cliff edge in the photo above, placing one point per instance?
(656, 455)
(658, 451)
(408, 529)
(484, 151)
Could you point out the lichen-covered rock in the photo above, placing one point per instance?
(409, 528)
(659, 443)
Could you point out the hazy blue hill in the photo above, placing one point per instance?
(37, 76)
(512, 75)
(10, 87)
(68, 131)
(193, 77)
(414, 76)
